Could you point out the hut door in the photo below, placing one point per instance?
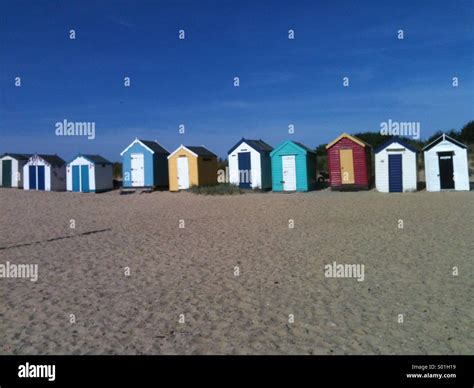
(244, 170)
(347, 167)
(32, 177)
(183, 173)
(138, 170)
(85, 178)
(7, 173)
(446, 170)
(289, 172)
(41, 178)
(395, 174)
(76, 179)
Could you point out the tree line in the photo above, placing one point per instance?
(464, 135)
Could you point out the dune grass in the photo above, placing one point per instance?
(221, 189)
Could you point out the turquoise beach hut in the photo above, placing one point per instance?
(293, 167)
(145, 165)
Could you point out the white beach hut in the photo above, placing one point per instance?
(446, 165)
(11, 169)
(395, 167)
(89, 173)
(250, 164)
(44, 172)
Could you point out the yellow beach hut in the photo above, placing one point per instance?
(191, 166)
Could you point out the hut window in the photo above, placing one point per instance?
(206, 159)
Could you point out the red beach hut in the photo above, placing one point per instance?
(349, 163)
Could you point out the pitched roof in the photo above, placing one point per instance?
(299, 145)
(442, 138)
(17, 156)
(304, 147)
(200, 151)
(395, 139)
(53, 160)
(157, 148)
(257, 145)
(152, 146)
(96, 159)
(353, 138)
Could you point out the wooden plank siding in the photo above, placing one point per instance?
(207, 170)
(305, 165)
(173, 169)
(362, 164)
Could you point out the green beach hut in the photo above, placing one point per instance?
(293, 167)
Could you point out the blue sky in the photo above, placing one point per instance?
(190, 81)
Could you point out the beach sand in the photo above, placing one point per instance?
(191, 271)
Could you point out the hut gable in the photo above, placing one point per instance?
(44, 172)
(191, 166)
(89, 173)
(395, 166)
(293, 167)
(145, 165)
(11, 169)
(250, 164)
(258, 145)
(349, 163)
(446, 165)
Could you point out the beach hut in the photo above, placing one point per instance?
(145, 165)
(446, 165)
(349, 163)
(11, 169)
(395, 167)
(191, 166)
(44, 172)
(293, 167)
(250, 164)
(89, 173)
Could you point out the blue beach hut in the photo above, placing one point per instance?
(293, 167)
(89, 174)
(145, 165)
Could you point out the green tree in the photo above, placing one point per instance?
(117, 167)
(467, 133)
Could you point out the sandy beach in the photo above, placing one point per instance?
(192, 271)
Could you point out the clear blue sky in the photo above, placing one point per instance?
(191, 81)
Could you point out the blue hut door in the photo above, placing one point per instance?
(41, 178)
(395, 174)
(85, 179)
(76, 180)
(244, 170)
(32, 177)
(288, 164)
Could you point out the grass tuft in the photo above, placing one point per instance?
(221, 189)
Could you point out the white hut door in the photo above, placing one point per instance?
(183, 173)
(289, 172)
(138, 170)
